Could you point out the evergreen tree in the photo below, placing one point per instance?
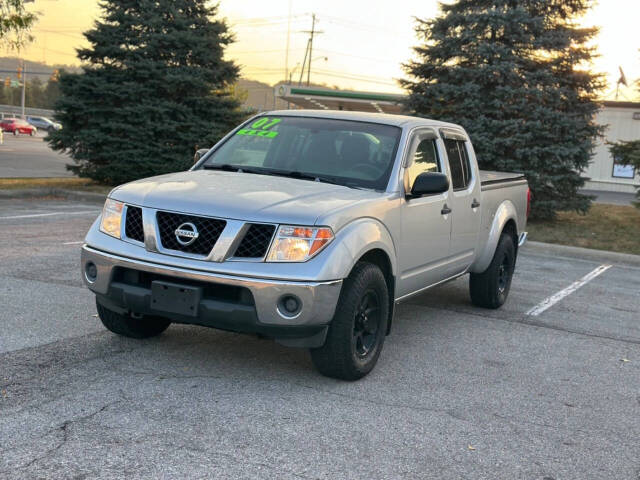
(513, 74)
(34, 93)
(152, 87)
(51, 93)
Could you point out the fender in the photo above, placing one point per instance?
(352, 242)
(505, 212)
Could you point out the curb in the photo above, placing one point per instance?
(582, 253)
(56, 192)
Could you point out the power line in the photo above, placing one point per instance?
(279, 50)
(379, 60)
(358, 25)
(358, 78)
(278, 19)
(64, 34)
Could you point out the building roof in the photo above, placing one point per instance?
(617, 104)
(329, 99)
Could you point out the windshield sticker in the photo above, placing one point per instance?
(260, 128)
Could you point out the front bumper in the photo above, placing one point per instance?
(251, 306)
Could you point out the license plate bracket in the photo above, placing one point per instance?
(175, 298)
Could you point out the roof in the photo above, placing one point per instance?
(330, 99)
(616, 104)
(382, 118)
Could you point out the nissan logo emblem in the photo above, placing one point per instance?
(186, 234)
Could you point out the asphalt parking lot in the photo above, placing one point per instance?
(25, 156)
(459, 392)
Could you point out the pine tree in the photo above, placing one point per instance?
(514, 74)
(153, 86)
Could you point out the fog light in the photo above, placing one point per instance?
(289, 305)
(91, 271)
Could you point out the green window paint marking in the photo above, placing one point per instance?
(260, 128)
(257, 133)
(265, 123)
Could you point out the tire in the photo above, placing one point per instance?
(355, 340)
(490, 288)
(15, 133)
(128, 326)
(32, 133)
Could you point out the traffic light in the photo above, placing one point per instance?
(19, 73)
(7, 82)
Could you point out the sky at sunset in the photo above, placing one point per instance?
(361, 47)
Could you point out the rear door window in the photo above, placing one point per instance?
(458, 163)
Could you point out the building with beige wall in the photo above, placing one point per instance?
(622, 121)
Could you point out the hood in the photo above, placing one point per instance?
(242, 196)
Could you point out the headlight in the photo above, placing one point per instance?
(298, 244)
(111, 218)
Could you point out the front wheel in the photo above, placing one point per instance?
(358, 328)
(128, 326)
(490, 288)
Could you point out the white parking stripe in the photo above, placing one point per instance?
(36, 215)
(73, 243)
(556, 297)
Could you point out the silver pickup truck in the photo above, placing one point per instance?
(307, 227)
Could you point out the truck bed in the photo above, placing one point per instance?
(490, 180)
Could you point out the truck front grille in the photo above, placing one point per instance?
(133, 225)
(256, 241)
(209, 230)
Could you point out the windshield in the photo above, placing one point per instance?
(340, 151)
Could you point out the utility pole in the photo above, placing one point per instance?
(309, 51)
(24, 83)
(313, 30)
(286, 56)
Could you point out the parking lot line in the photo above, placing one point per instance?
(73, 243)
(556, 297)
(36, 215)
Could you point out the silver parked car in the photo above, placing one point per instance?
(307, 227)
(43, 123)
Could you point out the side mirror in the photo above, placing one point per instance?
(199, 154)
(429, 183)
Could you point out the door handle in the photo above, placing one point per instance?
(445, 210)
(475, 203)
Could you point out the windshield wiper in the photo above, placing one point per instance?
(315, 178)
(235, 168)
(282, 173)
(225, 166)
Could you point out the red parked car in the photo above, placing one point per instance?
(16, 126)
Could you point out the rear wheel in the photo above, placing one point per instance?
(32, 133)
(490, 288)
(358, 328)
(128, 326)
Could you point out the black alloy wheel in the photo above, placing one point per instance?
(367, 324)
